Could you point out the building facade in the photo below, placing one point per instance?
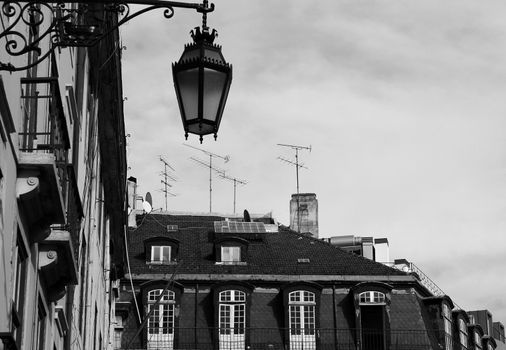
(215, 282)
(62, 186)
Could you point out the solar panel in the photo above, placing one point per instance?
(239, 227)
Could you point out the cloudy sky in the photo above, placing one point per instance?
(402, 101)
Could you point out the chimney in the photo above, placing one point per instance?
(368, 248)
(381, 249)
(132, 191)
(306, 205)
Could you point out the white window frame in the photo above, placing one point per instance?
(302, 320)
(232, 320)
(477, 341)
(448, 324)
(161, 322)
(372, 298)
(463, 335)
(230, 254)
(160, 250)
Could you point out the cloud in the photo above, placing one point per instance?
(402, 102)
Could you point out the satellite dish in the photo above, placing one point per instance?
(147, 204)
(246, 216)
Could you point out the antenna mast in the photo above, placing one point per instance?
(211, 168)
(165, 180)
(236, 181)
(211, 155)
(297, 166)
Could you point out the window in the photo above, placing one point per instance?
(83, 283)
(477, 341)
(2, 195)
(18, 295)
(372, 298)
(232, 320)
(231, 250)
(447, 320)
(372, 320)
(161, 250)
(161, 319)
(118, 332)
(230, 255)
(40, 329)
(301, 318)
(463, 334)
(160, 254)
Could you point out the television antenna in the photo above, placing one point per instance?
(236, 181)
(297, 166)
(211, 169)
(165, 181)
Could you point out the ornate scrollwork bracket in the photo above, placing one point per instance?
(27, 25)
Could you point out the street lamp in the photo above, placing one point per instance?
(202, 80)
(202, 77)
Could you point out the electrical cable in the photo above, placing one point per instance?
(130, 276)
(159, 298)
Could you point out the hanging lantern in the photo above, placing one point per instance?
(202, 80)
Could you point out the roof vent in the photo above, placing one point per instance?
(172, 228)
(303, 261)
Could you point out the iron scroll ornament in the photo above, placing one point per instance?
(62, 26)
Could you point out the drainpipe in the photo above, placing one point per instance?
(195, 316)
(335, 314)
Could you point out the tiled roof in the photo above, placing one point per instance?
(275, 254)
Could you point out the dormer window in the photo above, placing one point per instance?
(230, 255)
(160, 254)
(460, 324)
(231, 251)
(477, 341)
(372, 315)
(463, 333)
(161, 251)
(447, 320)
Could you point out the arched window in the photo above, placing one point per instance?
(372, 302)
(232, 319)
(301, 318)
(372, 297)
(160, 331)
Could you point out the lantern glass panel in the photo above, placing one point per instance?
(189, 87)
(214, 82)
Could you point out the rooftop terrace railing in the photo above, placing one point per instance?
(425, 280)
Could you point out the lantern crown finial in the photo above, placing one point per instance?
(203, 35)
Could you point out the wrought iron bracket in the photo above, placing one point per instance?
(31, 23)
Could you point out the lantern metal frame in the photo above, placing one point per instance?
(63, 27)
(203, 42)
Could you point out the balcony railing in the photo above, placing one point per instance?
(44, 129)
(280, 339)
